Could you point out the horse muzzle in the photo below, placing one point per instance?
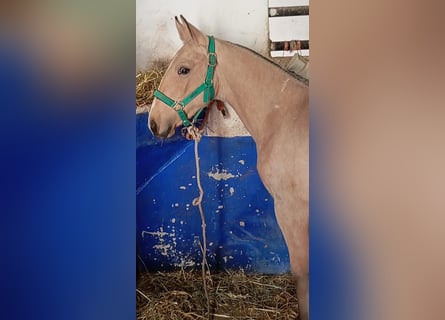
(166, 132)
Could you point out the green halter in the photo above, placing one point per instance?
(206, 87)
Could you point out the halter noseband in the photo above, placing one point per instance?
(206, 87)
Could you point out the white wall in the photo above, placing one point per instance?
(241, 21)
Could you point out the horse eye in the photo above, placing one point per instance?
(183, 70)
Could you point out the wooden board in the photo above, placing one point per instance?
(277, 54)
(289, 28)
(287, 3)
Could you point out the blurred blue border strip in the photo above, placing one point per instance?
(334, 274)
(67, 199)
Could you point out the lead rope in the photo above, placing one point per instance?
(196, 134)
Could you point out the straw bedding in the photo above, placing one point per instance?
(148, 81)
(232, 295)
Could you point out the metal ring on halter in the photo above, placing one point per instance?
(178, 106)
(210, 54)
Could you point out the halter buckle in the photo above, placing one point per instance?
(178, 106)
(210, 55)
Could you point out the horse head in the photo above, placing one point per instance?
(183, 91)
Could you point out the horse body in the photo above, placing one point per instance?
(273, 105)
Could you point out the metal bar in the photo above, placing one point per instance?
(289, 11)
(289, 45)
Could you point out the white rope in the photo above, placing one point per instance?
(196, 136)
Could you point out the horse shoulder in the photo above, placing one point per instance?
(283, 156)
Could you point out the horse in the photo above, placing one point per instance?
(274, 107)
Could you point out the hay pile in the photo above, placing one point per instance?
(147, 82)
(234, 295)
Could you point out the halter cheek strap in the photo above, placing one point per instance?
(206, 87)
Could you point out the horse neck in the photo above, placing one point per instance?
(257, 89)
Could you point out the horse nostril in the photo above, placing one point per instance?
(153, 127)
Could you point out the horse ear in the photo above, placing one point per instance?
(183, 31)
(188, 32)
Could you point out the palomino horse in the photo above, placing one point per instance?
(272, 104)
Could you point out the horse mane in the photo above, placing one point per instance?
(292, 74)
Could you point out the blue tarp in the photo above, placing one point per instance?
(242, 231)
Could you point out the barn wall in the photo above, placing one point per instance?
(244, 22)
